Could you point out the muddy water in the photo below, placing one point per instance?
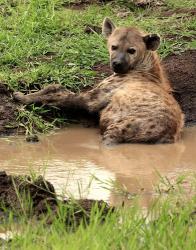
(71, 157)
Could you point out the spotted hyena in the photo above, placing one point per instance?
(135, 104)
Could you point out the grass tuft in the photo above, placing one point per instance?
(168, 224)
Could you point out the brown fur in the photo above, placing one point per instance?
(134, 106)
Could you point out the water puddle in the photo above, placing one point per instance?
(71, 157)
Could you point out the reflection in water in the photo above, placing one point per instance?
(72, 156)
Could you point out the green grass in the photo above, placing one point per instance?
(42, 42)
(34, 29)
(169, 223)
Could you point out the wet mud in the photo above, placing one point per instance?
(180, 12)
(8, 111)
(177, 37)
(181, 70)
(37, 198)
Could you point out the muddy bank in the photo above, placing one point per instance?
(37, 198)
(8, 111)
(179, 11)
(181, 70)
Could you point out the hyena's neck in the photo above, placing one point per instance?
(152, 69)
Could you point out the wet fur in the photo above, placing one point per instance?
(136, 106)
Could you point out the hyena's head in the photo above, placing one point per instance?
(127, 46)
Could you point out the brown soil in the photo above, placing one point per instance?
(8, 111)
(102, 70)
(181, 70)
(179, 11)
(22, 195)
(177, 37)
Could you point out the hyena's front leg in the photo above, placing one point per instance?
(50, 95)
(54, 95)
(92, 101)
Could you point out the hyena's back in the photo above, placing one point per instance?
(141, 112)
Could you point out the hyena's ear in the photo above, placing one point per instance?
(107, 27)
(152, 41)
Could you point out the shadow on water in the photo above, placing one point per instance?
(71, 156)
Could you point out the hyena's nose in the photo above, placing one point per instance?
(117, 66)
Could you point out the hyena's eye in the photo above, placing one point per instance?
(131, 51)
(114, 47)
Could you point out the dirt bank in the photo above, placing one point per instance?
(179, 11)
(181, 70)
(23, 195)
(8, 111)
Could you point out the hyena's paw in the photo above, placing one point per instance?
(108, 140)
(20, 97)
(51, 89)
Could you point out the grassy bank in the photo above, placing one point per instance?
(170, 223)
(43, 42)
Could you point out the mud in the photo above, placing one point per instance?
(181, 70)
(102, 71)
(179, 11)
(8, 111)
(23, 195)
(177, 37)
